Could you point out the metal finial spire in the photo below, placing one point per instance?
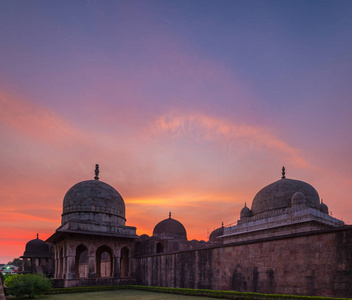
(37, 236)
(283, 173)
(96, 172)
(222, 224)
(170, 215)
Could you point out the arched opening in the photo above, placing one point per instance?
(103, 262)
(125, 262)
(81, 262)
(159, 248)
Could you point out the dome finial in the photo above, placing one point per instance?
(37, 236)
(170, 215)
(222, 224)
(96, 172)
(283, 173)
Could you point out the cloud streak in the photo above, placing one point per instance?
(212, 129)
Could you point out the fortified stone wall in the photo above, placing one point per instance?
(317, 263)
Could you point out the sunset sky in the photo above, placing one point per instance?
(187, 106)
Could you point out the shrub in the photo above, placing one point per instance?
(27, 285)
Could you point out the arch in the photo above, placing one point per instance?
(81, 262)
(159, 247)
(103, 262)
(125, 262)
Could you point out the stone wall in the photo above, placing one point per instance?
(315, 263)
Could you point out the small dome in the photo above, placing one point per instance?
(246, 212)
(36, 248)
(93, 201)
(278, 195)
(144, 236)
(324, 208)
(298, 198)
(213, 238)
(170, 229)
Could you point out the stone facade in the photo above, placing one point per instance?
(89, 259)
(287, 243)
(314, 263)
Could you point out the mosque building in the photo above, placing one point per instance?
(286, 243)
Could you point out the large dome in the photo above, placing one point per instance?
(36, 248)
(93, 201)
(170, 229)
(278, 195)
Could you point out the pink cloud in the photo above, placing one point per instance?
(238, 136)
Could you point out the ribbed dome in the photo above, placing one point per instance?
(278, 195)
(36, 248)
(170, 229)
(93, 201)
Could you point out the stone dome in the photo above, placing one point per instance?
(170, 229)
(278, 195)
(215, 234)
(93, 201)
(36, 248)
(144, 236)
(324, 208)
(245, 211)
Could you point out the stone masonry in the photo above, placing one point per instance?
(315, 263)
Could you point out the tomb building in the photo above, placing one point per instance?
(37, 257)
(283, 207)
(93, 245)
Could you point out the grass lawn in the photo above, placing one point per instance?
(119, 295)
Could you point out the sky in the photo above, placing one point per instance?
(187, 106)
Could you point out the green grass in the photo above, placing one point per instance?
(119, 295)
(152, 292)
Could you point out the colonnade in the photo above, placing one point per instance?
(91, 261)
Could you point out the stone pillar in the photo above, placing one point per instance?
(91, 267)
(66, 266)
(32, 265)
(60, 262)
(24, 264)
(116, 266)
(56, 269)
(70, 267)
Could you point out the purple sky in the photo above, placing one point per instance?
(188, 106)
